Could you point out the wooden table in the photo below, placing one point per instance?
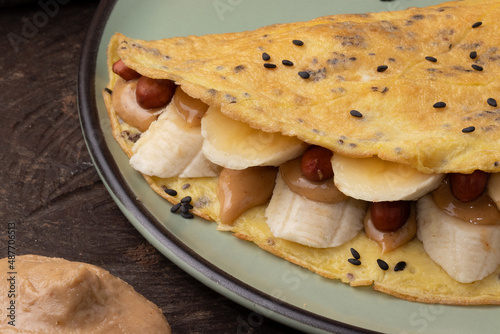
(51, 191)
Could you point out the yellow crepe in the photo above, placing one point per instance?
(342, 55)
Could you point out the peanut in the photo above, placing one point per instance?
(468, 187)
(154, 93)
(316, 164)
(390, 216)
(124, 71)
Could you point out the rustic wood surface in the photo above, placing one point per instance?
(51, 190)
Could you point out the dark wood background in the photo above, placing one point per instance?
(51, 190)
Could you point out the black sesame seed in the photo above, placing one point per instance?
(186, 199)
(492, 102)
(287, 62)
(473, 55)
(382, 264)
(356, 262)
(171, 192)
(355, 113)
(382, 68)
(477, 24)
(469, 129)
(439, 105)
(239, 68)
(175, 208)
(187, 215)
(109, 91)
(266, 57)
(304, 74)
(184, 209)
(267, 65)
(298, 42)
(432, 59)
(355, 254)
(187, 206)
(400, 266)
(133, 137)
(477, 67)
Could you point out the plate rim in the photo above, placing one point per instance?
(150, 228)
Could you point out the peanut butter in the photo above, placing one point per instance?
(323, 191)
(126, 107)
(389, 241)
(481, 211)
(240, 190)
(53, 295)
(191, 109)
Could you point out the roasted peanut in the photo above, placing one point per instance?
(124, 71)
(468, 187)
(154, 93)
(390, 216)
(316, 163)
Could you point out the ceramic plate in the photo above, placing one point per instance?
(238, 269)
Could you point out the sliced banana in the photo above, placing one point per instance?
(467, 252)
(376, 180)
(170, 147)
(315, 224)
(236, 145)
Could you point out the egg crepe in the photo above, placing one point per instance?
(421, 99)
(342, 54)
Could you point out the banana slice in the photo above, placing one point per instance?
(315, 224)
(376, 180)
(171, 148)
(467, 252)
(494, 188)
(236, 145)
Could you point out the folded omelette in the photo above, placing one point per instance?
(364, 147)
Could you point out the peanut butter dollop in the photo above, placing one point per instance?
(53, 295)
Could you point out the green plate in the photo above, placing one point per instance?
(237, 269)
